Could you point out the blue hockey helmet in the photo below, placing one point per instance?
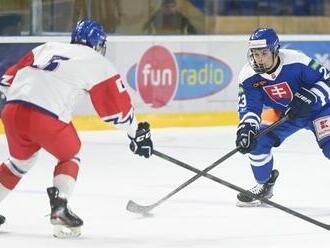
(263, 38)
(89, 33)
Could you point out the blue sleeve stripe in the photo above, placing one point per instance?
(324, 86)
(322, 90)
(319, 93)
(117, 119)
(251, 118)
(4, 80)
(4, 85)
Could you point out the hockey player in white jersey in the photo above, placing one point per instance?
(290, 83)
(42, 90)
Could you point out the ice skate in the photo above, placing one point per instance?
(262, 190)
(66, 223)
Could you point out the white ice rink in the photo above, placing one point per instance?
(203, 215)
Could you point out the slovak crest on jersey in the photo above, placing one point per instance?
(280, 93)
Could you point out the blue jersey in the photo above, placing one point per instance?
(276, 90)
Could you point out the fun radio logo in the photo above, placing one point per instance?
(157, 76)
(160, 76)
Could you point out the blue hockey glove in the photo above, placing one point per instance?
(142, 144)
(3, 101)
(301, 104)
(245, 137)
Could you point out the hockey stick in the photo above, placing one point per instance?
(137, 208)
(234, 187)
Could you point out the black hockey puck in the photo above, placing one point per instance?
(2, 219)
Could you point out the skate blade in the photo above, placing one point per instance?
(252, 204)
(64, 232)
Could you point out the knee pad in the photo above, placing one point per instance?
(264, 145)
(326, 149)
(276, 139)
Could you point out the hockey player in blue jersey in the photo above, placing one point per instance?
(292, 84)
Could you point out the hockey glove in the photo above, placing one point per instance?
(3, 101)
(245, 137)
(301, 104)
(142, 144)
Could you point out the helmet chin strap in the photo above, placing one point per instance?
(274, 65)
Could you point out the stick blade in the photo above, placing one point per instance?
(138, 209)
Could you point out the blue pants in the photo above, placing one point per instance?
(261, 157)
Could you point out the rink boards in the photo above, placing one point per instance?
(173, 80)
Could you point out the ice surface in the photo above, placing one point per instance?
(202, 215)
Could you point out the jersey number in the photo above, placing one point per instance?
(242, 101)
(120, 85)
(326, 74)
(52, 64)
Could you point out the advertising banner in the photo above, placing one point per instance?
(182, 77)
(175, 74)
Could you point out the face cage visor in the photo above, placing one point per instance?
(101, 47)
(259, 68)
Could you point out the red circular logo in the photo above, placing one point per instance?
(157, 76)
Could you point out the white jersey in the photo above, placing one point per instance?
(54, 76)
